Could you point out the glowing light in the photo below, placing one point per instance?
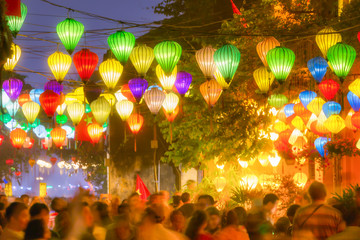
(300, 179)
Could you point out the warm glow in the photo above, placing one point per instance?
(76, 111)
(220, 183)
(58, 136)
(101, 110)
(61, 109)
(268, 181)
(167, 81)
(315, 106)
(141, 57)
(170, 102)
(211, 91)
(300, 179)
(249, 182)
(205, 59)
(13, 60)
(110, 71)
(95, 131)
(109, 97)
(327, 38)
(31, 111)
(274, 159)
(124, 109)
(59, 64)
(243, 164)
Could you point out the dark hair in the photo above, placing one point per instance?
(54, 204)
(35, 230)
(2, 206)
(282, 225)
(153, 197)
(241, 214)
(317, 191)
(185, 197)
(14, 209)
(176, 201)
(230, 218)
(175, 213)
(24, 196)
(207, 197)
(124, 209)
(270, 198)
(103, 211)
(212, 211)
(36, 209)
(196, 221)
(290, 212)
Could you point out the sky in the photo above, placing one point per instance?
(42, 19)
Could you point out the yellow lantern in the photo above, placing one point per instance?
(100, 109)
(205, 59)
(170, 102)
(294, 136)
(220, 183)
(109, 97)
(243, 164)
(263, 159)
(141, 57)
(211, 91)
(124, 109)
(61, 109)
(355, 87)
(358, 144)
(300, 142)
(71, 98)
(167, 81)
(320, 127)
(280, 126)
(298, 123)
(300, 179)
(348, 122)
(220, 79)
(274, 159)
(59, 64)
(335, 123)
(327, 38)
(13, 60)
(312, 119)
(79, 94)
(265, 46)
(249, 182)
(76, 111)
(315, 106)
(119, 96)
(110, 70)
(31, 111)
(263, 78)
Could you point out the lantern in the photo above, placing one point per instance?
(265, 46)
(32, 162)
(355, 87)
(277, 100)
(220, 79)
(220, 183)
(17, 137)
(109, 97)
(92, 91)
(58, 136)
(327, 38)
(306, 97)
(31, 111)
(85, 62)
(100, 109)
(54, 86)
(289, 109)
(319, 143)
(76, 111)
(70, 32)
(330, 108)
(14, 22)
(110, 70)
(170, 102)
(335, 123)
(249, 182)
(124, 109)
(300, 179)
(95, 131)
(227, 59)
(205, 60)
(138, 87)
(354, 101)
(12, 108)
(348, 122)
(211, 91)
(274, 160)
(61, 109)
(126, 92)
(183, 82)
(295, 134)
(355, 119)
(329, 88)
(317, 67)
(263, 79)
(141, 57)
(12, 88)
(53, 160)
(61, 119)
(167, 54)
(9, 162)
(154, 99)
(24, 98)
(280, 126)
(280, 60)
(298, 123)
(299, 109)
(1, 139)
(121, 44)
(49, 102)
(341, 57)
(35, 95)
(167, 81)
(315, 106)
(14, 58)
(135, 122)
(171, 117)
(59, 64)
(243, 164)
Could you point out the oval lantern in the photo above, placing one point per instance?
(59, 64)
(326, 38)
(329, 88)
(58, 136)
(13, 88)
(14, 58)
(135, 123)
(138, 87)
(265, 46)
(124, 109)
(211, 91)
(95, 131)
(76, 112)
(289, 109)
(126, 92)
(100, 109)
(331, 108)
(110, 71)
(85, 62)
(35, 95)
(70, 32)
(154, 99)
(167, 80)
(170, 102)
(92, 91)
(317, 67)
(31, 111)
(17, 137)
(205, 60)
(319, 143)
(219, 183)
(167, 54)
(183, 82)
(355, 119)
(263, 79)
(24, 98)
(341, 57)
(54, 86)
(298, 123)
(32, 162)
(281, 61)
(315, 106)
(141, 57)
(49, 102)
(354, 101)
(121, 44)
(14, 22)
(335, 124)
(306, 97)
(277, 100)
(355, 87)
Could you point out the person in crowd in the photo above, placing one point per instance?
(242, 217)
(62, 218)
(231, 230)
(120, 229)
(187, 208)
(318, 219)
(352, 231)
(101, 214)
(37, 229)
(197, 225)
(136, 206)
(114, 206)
(4, 199)
(176, 201)
(270, 203)
(290, 213)
(177, 220)
(41, 211)
(124, 210)
(214, 220)
(25, 199)
(281, 228)
(17, 217)
(206, 200)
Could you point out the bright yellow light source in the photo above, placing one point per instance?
(13, 60)
(327, 38)
(59, 64)
(61, 109)
(101, 109)
(348, 122)
(79, 94)
(268, 181)
(355, 87)
(274, 160)
(263, 78)
(220, 79)
(124, 109)
(110, 71)
(220, 183)
(71, 98)
(280, 126)
(263, 161)
(170, 102)
(315, 106)
(76, 111)
(141, 57)
(358, 144)
(109, 97)
(300, 179)
(243, 164)
(167, 81)
(298, 123)
(335, 124)
(249, 182)
(294, 136)
(205, 60)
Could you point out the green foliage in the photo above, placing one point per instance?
(347, 198)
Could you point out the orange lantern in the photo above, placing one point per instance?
(171, 117)
(32, 162)
(24, 98)
(95, 131)
(17, 137)
(211, 91)
(58, 136)
(135, 122)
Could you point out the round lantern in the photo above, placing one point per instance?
(59, 64)
(17, 137)
(70, 32)
(31, 111)
(58, 136)
(306, 97)
(329, 88)
(135, 122)
(354, 101)
(54, 86)
(85, 62)
(124, 109)
(35, 95)
(211, 91)
(331, 108)
(315, 106)
(167, 80)
(355, 87)
(280, 60)
(9, 162)
(76, 111)
(100, 109)
(14, 22)
(341, 57)
(319, 143)
(265, 46)
(141, 57)
(348, 120)
(121, 44)
(327, 38)
(183, 82)
(24, 98)
(277, 100)
(110, 70)
(138, 87)
(13, 88)
(170, 102)
(95, 131)
(298, 123)
(92, 91)
(205, 60)
(220, 183)
(167, 54)
(49, 102)
(335, 124)
(154, 99)
(300, 179)
(263, 79)
(355, 119)
(14, 58)
(317, 67)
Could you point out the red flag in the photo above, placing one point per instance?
(13, 8)
(141, 188)
(235, 9)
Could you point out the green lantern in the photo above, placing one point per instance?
(277, 100)
(70, 32)
(280, 61)
(25, 127)
(5, 118)
(227, 59)
(15, 23)
(167, 54)
(341, 57)
(87, 108)
(61, 119)
(121, 44)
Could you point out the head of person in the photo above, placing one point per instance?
(207, 200)
(135, 203)
(185, 197)
(58, 204)
(177, 220)
(230, 219)
(291, 211)
(282, 225)
(87, 216)
(36, 229)
(270, 202)
(124, 209)
(25, 199)
(122, 227)
(155, 198)
(39, 211)
(100, 213)
(17, 216)
(214, 218)
(176, 201)
(165, 196)
(317, 191)
(159, 210)
(241, 215)
(197, 223)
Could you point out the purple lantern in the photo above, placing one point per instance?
(138, 87)
(54, 86)
(183, 81)
(13, 88)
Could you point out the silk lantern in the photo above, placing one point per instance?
(220, 79)
(211, 91)
(110, 98)
(299, 109)
(355, 87)
(54, 86)
(135, 123)
(76, 112)
(354, 101)
(110, 71)
(348, 122)
(119, 96)
(277, 100)
(12, 88)
(274, 159)
(205, 60)
(95, 131)
(11, 62)
(58, 136)
(315, 106)
(171, 117)
(330, 108)
(281, 61)
(125, 90)
(263, 79)
(138, 87)
(17, 137)
(289, 109)
(70, 32)
(14, 22)
(298, 123)
(306, 97)
(31, 111)
(61, 109)
(170, 102)
(183, 82)
(326, 38)
(355, 119)
(124, 109)
(35, 95)
(317, 67)
(121, 44)
(341, 57)
(264, 47)
(167, 54)
(12, 108)
(24, 98)
(329, 88)
(100, 109)
(141, 57)
(154, 98)
(319, 143)
(167, 80)
(59, 64)
(335, 123)
(85, 62)
(49, 102)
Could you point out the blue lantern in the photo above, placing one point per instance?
(35, 95)
(306, 97)
(320, 143)
(317, 67)
(331, 108)
(40, 131)
(354, 101)
(289, 109)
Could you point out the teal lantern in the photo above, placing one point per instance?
(121, 44)
(341, 57)
(15, 23)
(167, 54)
(277, 100)
(87, 108)
(280, 60)
(70, 32)
(227, 59)
(5, 118)
(61, 119)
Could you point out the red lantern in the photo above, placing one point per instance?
(329, 88)
(53, 160)
(1, 139)
(58, 136)
(17, 137)
(18, 174)
(285, 135)
(355, 119)
(49, 102)
(9, 162)
(306, 116)
(281, 146)
(73, 159)
(29, 143)
(171, 117)
(24, 98)
(85, 62)
(95, 131)
(125, 90)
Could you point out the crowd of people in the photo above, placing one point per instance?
(86, 218)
